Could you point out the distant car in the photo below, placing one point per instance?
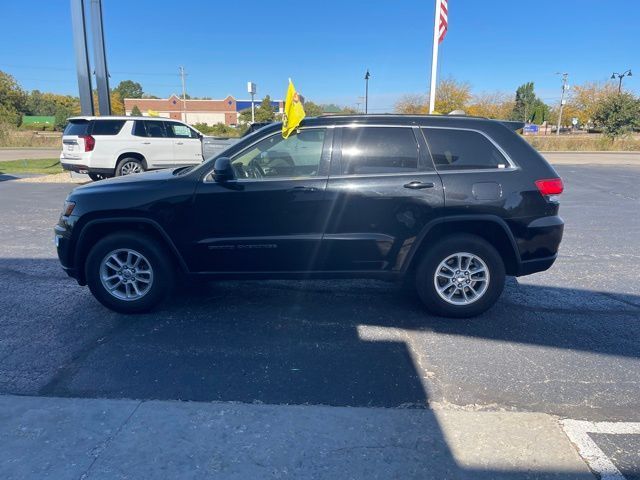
(449, 204)
(113, 146)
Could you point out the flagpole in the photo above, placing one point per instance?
(434, 58)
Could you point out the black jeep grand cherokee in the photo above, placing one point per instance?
(451, 204)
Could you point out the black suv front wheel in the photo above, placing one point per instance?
(129, 273)
(460, 276)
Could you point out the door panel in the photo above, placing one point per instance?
(267, 220)
(187, 147)
(380, 201)
(153, 143)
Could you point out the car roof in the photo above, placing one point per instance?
(120, 117)
(450, 121)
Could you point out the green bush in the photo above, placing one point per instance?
(38, 127)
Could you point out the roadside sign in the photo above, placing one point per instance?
(531, 128)
(574, 121)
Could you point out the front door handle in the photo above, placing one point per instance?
(146, 143)
(415, 185)
(302, 189)
(179, 143)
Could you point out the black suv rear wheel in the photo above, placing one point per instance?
(460, 276)
(129, 273)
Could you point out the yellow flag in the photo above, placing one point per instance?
(152, 113)
(293, 111)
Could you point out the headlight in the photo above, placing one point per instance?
(68, 208)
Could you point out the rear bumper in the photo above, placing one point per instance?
(538, 244)
(536, 265)
(78, 168)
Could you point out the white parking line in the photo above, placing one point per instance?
(578, 432)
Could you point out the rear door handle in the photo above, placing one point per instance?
(146, 143)
(302, 189)
(419, 185)
(179, 143)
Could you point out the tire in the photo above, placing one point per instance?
(153, 274)
(470, 292)
(129, 165)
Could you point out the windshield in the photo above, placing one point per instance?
(231, 150)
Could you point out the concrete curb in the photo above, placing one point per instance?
(97, 438)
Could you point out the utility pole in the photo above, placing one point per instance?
(184, 94)
(366, 91)
(620, 76)
(565, 87)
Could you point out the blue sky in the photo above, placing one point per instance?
(326, 46)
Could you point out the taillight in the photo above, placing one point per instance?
(89, 142)
(550, 186)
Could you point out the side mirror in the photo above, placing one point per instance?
(223, 170)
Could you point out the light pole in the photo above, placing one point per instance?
(184, 94)
(366, 91)
(564, 89)
(620, 76)
(251, 89)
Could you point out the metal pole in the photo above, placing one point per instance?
(253, 109)
(366, 92)
(434, 59)
(564, 87)
(83, 68)
(100, 58)
(620, 83)
(184, 95)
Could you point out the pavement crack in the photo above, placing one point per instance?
(97, 451)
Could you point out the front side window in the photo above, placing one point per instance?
(462, 150)
(178, 130)
(369, 150)
(107, 127)
(277, 157)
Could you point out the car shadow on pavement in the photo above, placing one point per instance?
(274, 342)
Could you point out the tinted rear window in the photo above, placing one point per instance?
(155, 129)
(138, 129)
(76, 127)
(462, 150)
(107, 127)
(367, 150)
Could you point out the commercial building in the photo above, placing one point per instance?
(195, 111)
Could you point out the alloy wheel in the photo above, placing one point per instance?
(461, 278)
(126, 274)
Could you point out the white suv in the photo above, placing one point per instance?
(110, 146)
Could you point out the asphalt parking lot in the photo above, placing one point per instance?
(562, 342)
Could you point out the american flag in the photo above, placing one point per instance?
(444, 21)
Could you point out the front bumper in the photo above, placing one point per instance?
(64, 248)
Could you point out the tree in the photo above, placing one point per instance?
(117, 105)
(618, 114)
(451, 95)
(412, 104)
(528, 107)
(264, 112)
(12, 99)
(586, 98)
(129, 89)
(491, 105)
(60, 106)
(135, 111)
(313, 109)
